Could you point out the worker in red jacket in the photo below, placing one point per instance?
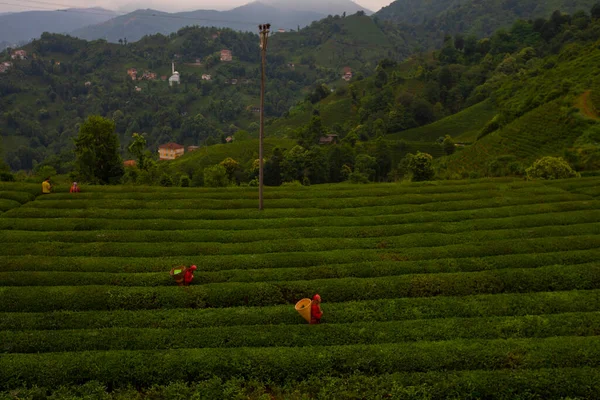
(315, 310)
(189, 275)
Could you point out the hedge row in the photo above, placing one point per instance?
(50, 298)
(280, 365)
(318, 203)
(550, 221)
(7, 204)
(404, 243)
(269, 194)
(522, 215)
(505, 384)
(21, 197)
(30, 212)
(574, 324)
(300, 259)
(398, 309)
(368, 269)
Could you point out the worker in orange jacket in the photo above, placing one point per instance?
(315, 310)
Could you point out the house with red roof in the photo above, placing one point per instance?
(170, 151)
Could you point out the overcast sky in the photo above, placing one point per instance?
(164, 5)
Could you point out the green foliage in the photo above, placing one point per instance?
(184, 181)
(550, 168)
(449, 145)
(166, 180)
(420, 166)
(97, 151)
(137, 148)
(216, 176)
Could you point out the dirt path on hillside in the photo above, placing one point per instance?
(584, 103)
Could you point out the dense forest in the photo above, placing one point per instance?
(394, 104)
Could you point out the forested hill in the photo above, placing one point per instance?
(45, 97)
(521, 94)
(431, 19)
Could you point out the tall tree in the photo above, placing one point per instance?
(97, 151)
(137, 148)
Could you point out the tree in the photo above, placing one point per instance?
(293, 164)
(230, 166)
(550, 168)
(596, 11)
(448, 145)
(420, 165)
(97, 152)
(216, 176)
(137, 148)
(365, 165)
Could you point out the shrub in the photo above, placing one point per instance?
(216, 176)
(184, 181)
(550, 168)
(6, 177)
(421, 167)
(165, 180)
(448, 145)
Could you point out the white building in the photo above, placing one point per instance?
(174, 79)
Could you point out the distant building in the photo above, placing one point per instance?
(174, 79)
(206, 77)
(5, 66)
(280, 30)
(138, 89)
(88, 84)
(198, 61)
(132, 72)
(170, 151)
(226, 55)
(329, 139)
(19, 54)
(192, 148)
(149, 75)
(291, 66)
(129, 163)
(234, 81)
(347, 74)
(253, 109)
(229, 139)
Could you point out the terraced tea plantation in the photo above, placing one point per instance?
(465, 289)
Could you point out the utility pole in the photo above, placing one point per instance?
(264, 38)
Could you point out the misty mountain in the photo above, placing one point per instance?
(330, 7)
(25, 26)
(279, 13)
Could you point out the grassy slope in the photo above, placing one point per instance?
(463, 126)
(242, 152)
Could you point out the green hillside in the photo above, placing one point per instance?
(473, 288)
(463, 126)
(472, 17)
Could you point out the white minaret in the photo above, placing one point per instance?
(174, 79)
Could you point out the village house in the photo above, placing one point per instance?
(329, 139)
(215, 35)
(132, 72)
(226, 55)
(281, 30)
(170, 151)
(192, 148)
(149, 75)
(198, 61)
(138, 89)
(347, 74)
(88, 84)
(19, 54)
(291, 66)
(129, 163)
(234, 81)
(253, 109)
(229, 139)
(5, 66)
(206, 77)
